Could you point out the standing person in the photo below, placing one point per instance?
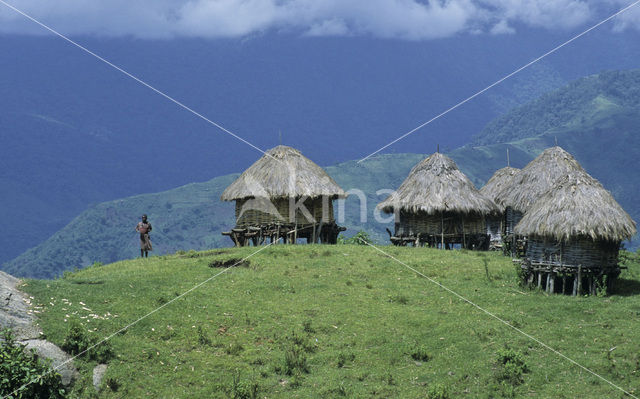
(144, 228)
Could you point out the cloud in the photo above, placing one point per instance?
(630, 19)
(398, 19)
(550, 14)
(502, 27)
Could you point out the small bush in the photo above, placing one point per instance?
(234, 349)
(344, 358)
(307, 327)
(243, 389)
(203, 338)
(295, 358)
(360, 238)
(19, 367)
(113, 384)
(437, 391)
(401, 299)
(512, 366)
(78, 342)
(420, 354)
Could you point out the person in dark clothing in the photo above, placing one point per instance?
(144, 228)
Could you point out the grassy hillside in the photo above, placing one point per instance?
(577, 105)
(340, 321)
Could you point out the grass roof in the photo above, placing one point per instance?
(577, 205)
(501, 179)
(437, 185)
(283, 172)
(536, 178)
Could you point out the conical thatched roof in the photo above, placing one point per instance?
(437, 185)
(282, 173)
(577, 205)
(536, 178)
(501, 179)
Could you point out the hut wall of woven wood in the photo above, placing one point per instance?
(577, 251)
(511, 219)
(257, 212)
(494, 226)
(412, 224)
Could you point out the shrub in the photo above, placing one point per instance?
(420, 354)
(295, 358)
(203, 338)
(78, 342)
(360, 238)
(437, 391)
(512, 366)
(19, 367)
(308, 327)
(234, 349)
(243, 389)
(401, 299)
(343, 358)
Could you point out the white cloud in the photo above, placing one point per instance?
(403, 19)
(550, 14)
(630, 19)
(502, 27)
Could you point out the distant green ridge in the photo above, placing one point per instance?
(600, 127)
(579, 104)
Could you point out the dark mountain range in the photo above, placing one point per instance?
(74, 132)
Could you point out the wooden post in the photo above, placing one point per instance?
(539, 280)
(441, 230)
(575, 285)
(579, 290)
(552, 282)
(295, 233)
(464, 238)
(313, 234)
(320, 231)
(235, 239)
(564, 282)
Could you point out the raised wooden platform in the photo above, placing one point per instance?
(325, 233)
(445, 241)
(555, 277)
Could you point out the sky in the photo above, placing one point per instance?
(388, 19)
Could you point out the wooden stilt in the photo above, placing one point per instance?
(539, 280)
(552, 282)
(564, 283)
(441, 230)
(546, 282)
(575, 285)
(464, 236)
(579, 290)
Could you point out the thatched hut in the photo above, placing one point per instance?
(574, 233)
(438, 205)
(283, 195)
(530, 184)
(492, 189)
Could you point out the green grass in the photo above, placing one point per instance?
(341, 321)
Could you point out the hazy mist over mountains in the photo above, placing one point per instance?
(74, 131)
